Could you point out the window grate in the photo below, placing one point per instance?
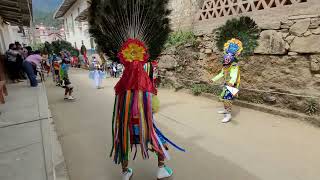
(212, 9)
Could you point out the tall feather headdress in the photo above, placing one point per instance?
(132, 32)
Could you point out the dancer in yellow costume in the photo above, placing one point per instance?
(231, 76)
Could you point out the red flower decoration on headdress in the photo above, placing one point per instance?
(133, 55)
(133, 50)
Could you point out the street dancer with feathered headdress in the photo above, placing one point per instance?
(231, 76)
(133, 32)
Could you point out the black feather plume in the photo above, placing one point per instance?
(112, 22)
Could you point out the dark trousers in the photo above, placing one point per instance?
(13, 70)
(28, 68)
(20, 71)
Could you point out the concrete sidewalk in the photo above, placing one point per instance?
(29, 149)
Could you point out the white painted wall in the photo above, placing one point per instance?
(77, 32)
(9, 34)
(16, 36)
(5, 36)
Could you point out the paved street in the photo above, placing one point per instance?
(255, 146)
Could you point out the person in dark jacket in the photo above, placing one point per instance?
(20, 58)
(11, 62)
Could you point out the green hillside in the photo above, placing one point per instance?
(46, 18)
(43, 11)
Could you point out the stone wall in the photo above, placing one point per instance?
(183, 11)
(287, 58)
(289, 27)
(185, 65)
(203, 16)
(266, 13)
(286, 61)
(293, 35)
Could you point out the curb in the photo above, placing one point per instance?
(267, 109)
(271, 110)
(55, 162)
(59, 165)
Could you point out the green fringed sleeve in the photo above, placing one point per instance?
(219, 76)
(234, 72)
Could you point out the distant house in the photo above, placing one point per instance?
(75, 25)
(55, 36)
(49, 34)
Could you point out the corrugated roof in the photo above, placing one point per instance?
(17, 12)
(63, 8)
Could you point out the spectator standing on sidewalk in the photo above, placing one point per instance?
(27, 51)
(31, 65)
(11, 61)
(20, 59)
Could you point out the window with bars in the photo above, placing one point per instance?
(212, 9)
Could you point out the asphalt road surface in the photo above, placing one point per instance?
(254, 146)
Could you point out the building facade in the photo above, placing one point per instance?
(76, 30)
(5, 36)
(15, 18)
(10, 34)
(44, 34)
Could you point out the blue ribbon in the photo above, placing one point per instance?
(166, 139)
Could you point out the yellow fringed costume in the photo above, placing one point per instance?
(230, 72)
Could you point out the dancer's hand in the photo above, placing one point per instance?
(229, 84)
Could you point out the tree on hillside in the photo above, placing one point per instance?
(46, 18)
(43, 11)
(59, 46)
(47, 48)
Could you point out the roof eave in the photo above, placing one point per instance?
(16, 12)
(63, 8)
(83, 16)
